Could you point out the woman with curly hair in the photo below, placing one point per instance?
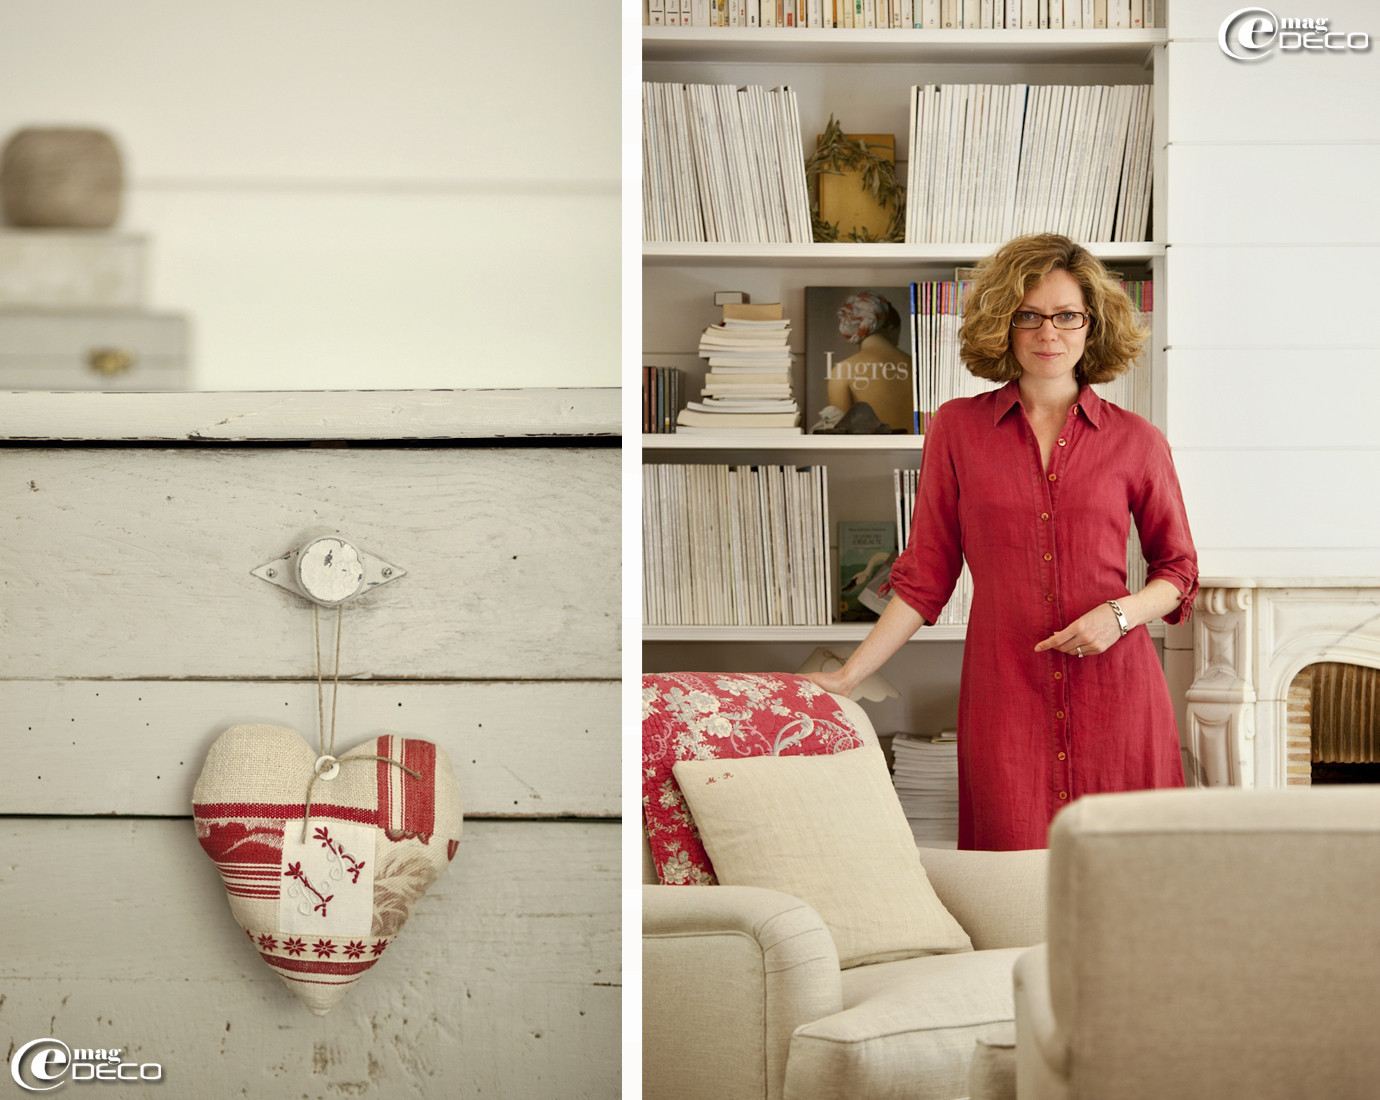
(1035, 484)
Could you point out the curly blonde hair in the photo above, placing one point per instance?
(1001, 282)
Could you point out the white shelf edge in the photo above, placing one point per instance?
(844, 443)
(841, 45)
(249, 416)
(699, 254)
(850, 632)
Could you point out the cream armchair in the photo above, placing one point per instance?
(1207, 944)
(743, 998)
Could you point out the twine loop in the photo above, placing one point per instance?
(327, 760)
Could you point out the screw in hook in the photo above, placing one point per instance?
(270, 572)
(388, 571)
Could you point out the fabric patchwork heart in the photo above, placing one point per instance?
(320, 913)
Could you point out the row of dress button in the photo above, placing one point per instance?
(1063, 795)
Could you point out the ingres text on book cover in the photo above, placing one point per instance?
(852, 352)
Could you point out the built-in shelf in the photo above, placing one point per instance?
(706, 254)
(847, 47)
(818, 635)
(676, 442)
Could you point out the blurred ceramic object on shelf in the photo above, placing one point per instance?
(61, 178)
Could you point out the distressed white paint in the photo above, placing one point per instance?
(136, 747)
(311, 415)
(504, 983)
(136, 562)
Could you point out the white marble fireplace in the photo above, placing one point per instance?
(1250, 638)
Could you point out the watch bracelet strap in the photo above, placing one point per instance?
(1120, 617)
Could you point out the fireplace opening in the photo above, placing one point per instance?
(1341, 717)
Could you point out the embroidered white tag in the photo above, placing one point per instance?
(328, 882)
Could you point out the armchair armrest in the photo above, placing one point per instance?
(1042, 1051)
(998, 897)
(731, 970)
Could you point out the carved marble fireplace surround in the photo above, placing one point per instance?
(1250, 637)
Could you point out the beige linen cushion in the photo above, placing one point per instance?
(827, 830)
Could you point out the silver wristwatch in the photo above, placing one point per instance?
(1120, 616)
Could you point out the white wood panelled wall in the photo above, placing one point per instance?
(351, 194)
(135, 634)
(1273, 356)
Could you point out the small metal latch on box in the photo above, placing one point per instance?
(328, 571)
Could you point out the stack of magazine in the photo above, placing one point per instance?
(748, 386)
(723, 163)
(735, 545)
(993, 161)
(926, 781)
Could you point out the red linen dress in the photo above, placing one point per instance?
(1037, 730)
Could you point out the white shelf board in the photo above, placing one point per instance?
(822, 635)
(749, 442)
(705, 254)
(248, 416)
(817, 44)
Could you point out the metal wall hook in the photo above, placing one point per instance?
(328, 571)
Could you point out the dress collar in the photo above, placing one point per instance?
(1009, 396)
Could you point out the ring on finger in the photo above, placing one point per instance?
(1080, 650)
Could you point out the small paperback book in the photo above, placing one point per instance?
(853, 339)
(865, 549)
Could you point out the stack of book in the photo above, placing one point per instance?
(661, 397)
(735, 545)
(722, 163)
(926, 781)
(748, 386)
(901, 14)
(993, 161)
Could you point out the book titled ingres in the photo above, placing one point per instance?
(853, 341)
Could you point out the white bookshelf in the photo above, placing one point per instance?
(875, 256)
(826, 444)
(853, 47)
(861, 77)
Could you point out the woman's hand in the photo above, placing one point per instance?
(835, 682)
(1095, 632)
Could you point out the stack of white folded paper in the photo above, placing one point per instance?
(926, 780)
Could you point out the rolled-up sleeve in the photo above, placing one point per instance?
(925, 574)
(1158, 509)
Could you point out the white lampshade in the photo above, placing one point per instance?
(874, 689)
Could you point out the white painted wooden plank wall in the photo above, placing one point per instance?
(136, 746)
(133, 639)
(348, 195)
(134, 563)
(504, 982)
(1274, 360)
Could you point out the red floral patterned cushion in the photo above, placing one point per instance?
(716, 716)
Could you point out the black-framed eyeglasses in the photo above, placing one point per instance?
(1029, 319)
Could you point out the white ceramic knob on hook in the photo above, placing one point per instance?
(330, 570)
